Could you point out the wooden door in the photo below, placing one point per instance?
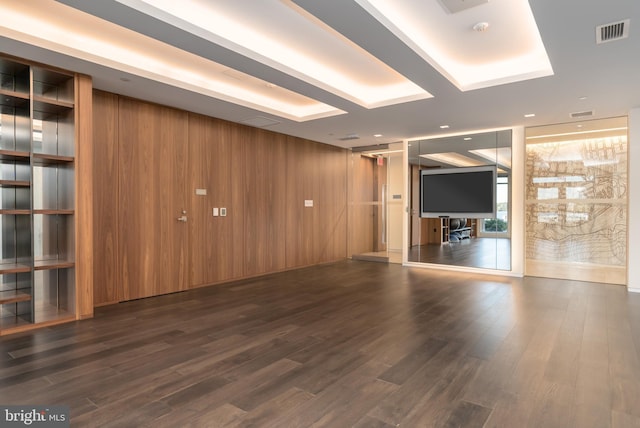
(153, 244)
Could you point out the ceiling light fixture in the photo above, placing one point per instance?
(444, 126)
(377, 135)
(530, 115)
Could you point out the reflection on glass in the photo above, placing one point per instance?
(468, 242)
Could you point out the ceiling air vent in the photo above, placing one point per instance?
(259, 122)
(350, 137)
(579, 114)
(614, 31)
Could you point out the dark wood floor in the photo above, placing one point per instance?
(347, 344)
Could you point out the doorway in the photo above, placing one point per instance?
(375, 232)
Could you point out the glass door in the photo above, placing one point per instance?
(376, 202)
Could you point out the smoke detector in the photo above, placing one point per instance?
(481, 27)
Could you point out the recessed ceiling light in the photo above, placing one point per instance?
(377, 135)
(582, 98)
(530, 115)
(467, 139)
(444, 126)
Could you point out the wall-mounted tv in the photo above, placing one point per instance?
(458, 192)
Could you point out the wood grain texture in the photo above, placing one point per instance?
(262, 178)
(106, 201)
(315, 172)
(215, 164)
(265, 177)
(344, 344)
(153, 155)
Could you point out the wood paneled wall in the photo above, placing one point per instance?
(149, 162)
(105, 199)
(152, 181)
(84, 242)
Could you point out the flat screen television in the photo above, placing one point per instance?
(458, 192)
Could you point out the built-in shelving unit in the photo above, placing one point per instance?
(37, 182)
(441, 229)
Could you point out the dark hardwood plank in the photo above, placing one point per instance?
(343, 344)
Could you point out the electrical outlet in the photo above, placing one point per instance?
(223, 212)
(215, 212)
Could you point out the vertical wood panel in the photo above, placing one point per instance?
(153, 248)
(105, 199)
(315, 234)
(215, 164)
(265, 207)
(299, 243)
(84, 197)
(262, 178)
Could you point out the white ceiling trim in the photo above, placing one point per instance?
(346, 74)
(59, 28)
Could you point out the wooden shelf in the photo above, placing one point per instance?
(53, 264)
(15, 212)
(14, 268)
(49, 106)
(13, 324)
(53, 212)
(12, 155)
(13, 296)
(43, 159)
(46, 314)
(15, 183)
(14, 99)
(43, 290)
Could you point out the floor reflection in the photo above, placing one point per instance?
(486, 253)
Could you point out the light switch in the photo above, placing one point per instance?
(201, 192)
(215, 212)
(223, 212)
(308, 202)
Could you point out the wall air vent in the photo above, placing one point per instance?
(579, 114)
(350, 137)
(614, 31)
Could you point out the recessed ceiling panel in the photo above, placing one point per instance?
(53, 26)
(283, 36)
(504, 47)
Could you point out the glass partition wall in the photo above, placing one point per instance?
(464, 240)
(576, 200)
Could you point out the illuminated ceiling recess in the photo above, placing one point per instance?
(298, 44)
(510, 50)
(59, 28)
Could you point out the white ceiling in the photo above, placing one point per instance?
(344, 67)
